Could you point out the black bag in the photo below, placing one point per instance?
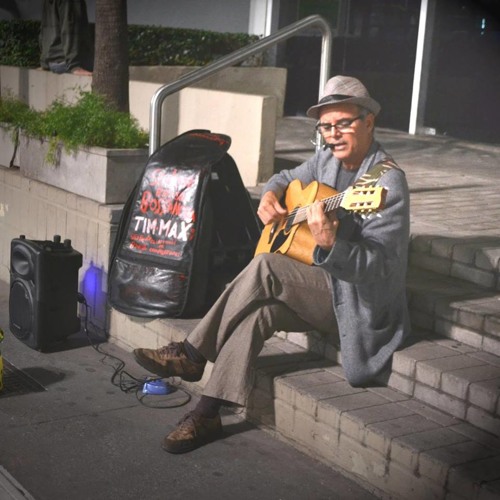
(187, 229)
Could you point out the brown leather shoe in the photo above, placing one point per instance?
(170, 361)
(191, 432)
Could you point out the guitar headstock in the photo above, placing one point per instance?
(364, 200)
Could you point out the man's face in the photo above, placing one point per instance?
(351, 142)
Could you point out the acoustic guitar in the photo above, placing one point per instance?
(291, 235)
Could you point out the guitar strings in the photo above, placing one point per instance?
(330, 203)
(298, 214)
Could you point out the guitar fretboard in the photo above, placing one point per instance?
(299, 214)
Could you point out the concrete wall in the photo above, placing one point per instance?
(249, 119)
(40, 211)
(254, 80)
(245, 118)
(40, 88)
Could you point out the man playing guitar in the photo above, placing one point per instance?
(354, 289)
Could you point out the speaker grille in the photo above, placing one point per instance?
(21, 310)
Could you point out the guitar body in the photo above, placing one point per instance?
(287, 237)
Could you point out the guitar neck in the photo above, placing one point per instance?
(299, 214)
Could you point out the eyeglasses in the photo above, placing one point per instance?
(341, 126)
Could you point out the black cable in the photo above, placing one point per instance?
(126, 382)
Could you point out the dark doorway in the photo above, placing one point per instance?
(374, 41)
(464, 84)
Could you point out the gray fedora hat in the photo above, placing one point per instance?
(344, 89)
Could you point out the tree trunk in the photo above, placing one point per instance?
(111, 75)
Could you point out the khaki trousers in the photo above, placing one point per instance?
(273, 293)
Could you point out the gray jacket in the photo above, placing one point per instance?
(367, 264)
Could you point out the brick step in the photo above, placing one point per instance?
(396, 443)
(456, 309)
(473, 259)
(403, 447)
(458, 379)
(453, 377)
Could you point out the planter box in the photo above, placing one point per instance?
(104, 175)
(9, 154)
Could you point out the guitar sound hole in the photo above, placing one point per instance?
(283, 235)
(280, 239)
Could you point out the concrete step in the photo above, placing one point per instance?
(456, 309)
(453, 377)
(458, 379)
(475, 259)
(403, 447)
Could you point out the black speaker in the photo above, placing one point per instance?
(43, 300)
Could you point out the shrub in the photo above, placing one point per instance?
(91, 121)
(19, 43)
(148, 45)
(155, 45)
(15, 114)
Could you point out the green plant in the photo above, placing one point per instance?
(156, 45)
(19, 44)
(148, 45)
(15, 114)
(90, 121)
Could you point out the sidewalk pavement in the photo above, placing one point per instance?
(80, 437)
(68, 432)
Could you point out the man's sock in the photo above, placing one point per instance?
(208, 407)
(192, 353)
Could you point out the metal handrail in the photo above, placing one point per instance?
(238, 56)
